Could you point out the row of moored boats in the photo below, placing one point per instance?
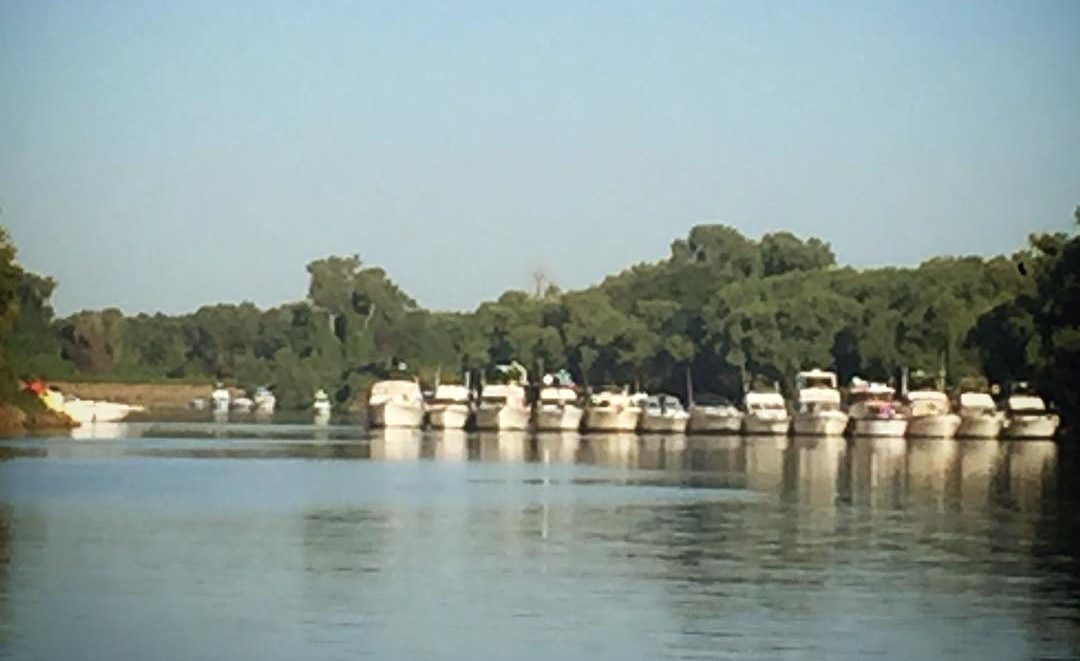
(819, 409)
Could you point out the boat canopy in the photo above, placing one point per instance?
(451, 393)
(815, 379)
(395, 389)
(928, 396)
(976, 400)
(613, 399)
(505, 392)
(764, 399)
(1026, 403)
(664, 402)
(558, 394)
(819, 396)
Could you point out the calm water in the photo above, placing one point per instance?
(194, 541)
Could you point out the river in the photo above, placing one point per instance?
(195, 541)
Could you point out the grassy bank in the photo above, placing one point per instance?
(26, 415)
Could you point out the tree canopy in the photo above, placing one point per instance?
(729, 308)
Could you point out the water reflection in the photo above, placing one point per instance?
(395, 444)
(616, 545)
(557, 447)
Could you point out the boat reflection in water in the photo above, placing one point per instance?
(557, 447)
(610, 449)
(395, 444)
(813, 469)
(451, 445)
(503, 446)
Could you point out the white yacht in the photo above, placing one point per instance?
(873, 411)
(87, 411)
(817, 409)
(265, 401)
(321, 407)
(557, 409)
(664, 413)
(449, 407)
(613, 410)
(979, 416)
(713, 415)
(219, 399)
(766, 413)
(930, 415)
(396, 403)
(1026, 417)
(503, 406)
(242, 404)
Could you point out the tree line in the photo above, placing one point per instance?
(731, 309)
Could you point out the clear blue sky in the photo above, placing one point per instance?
(164, 155)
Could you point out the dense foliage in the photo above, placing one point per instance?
(730, 309)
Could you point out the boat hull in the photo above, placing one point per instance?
(819, 424)
(754, 424)
(502, 417)
(893, 427)
(612, 419)
(934, 426)
(397, 415)
(559, 418)
(664, 424)
(84, 412)
(983, 426)
(1031, 426)
(704, 422)
(449, 416)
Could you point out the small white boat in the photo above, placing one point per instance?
(265, 401)
(979, 416)
(1026, 417)
(766, 413)
(502, 407)
(557, 409)
(396, 403)
(817, 409)
(712, 415)
(873, 411)
(930, 415)
(219, 399)
(321, 407)
(613, 411)
(449, 407)
(242, 404)
(664, 413)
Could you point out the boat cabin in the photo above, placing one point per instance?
(450, 394)
(761, 401)
(398, 389)
(977, 403)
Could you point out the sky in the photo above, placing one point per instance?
(159, 156)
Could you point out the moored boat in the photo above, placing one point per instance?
(714, 415)
(396, 403)
(1026, 416)
(449, 407)
(665, 414)
(817, 409)
(86, 411)
(557, 409)
(265, 401)
(219, 399)
(502, 407)
(874, 412)
(613, 411)
(321, 407)
(930, 415)
(766, 413)
(979, 416)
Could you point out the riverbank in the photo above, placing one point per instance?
(29, 417)
(151, 395)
